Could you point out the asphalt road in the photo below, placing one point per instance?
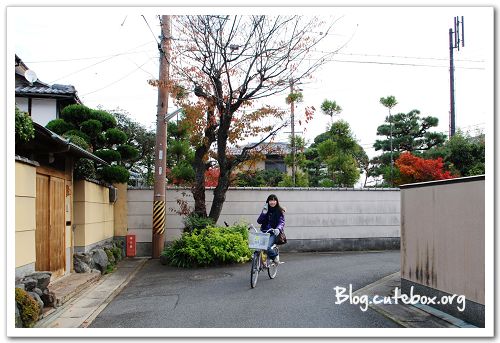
(302, 294)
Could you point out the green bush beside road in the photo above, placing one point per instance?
(209, 246)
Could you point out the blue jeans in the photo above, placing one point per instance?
(272, 253)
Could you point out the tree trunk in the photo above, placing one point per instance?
(198, 188)
(220, 195)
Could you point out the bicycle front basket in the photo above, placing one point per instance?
(258, 240)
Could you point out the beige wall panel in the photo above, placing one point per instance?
(25, 214)
(25, 248)
(79, 191)
(97, 232)
(94, 212)
(109, 228)
(443, 237)
(120, 210)
(68, 236)
(79, 235)
(25, 180)
(108, 212)
(79, 212)
(96, 193)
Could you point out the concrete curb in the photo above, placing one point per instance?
(408, 316)
(110, 298)
(83, 308)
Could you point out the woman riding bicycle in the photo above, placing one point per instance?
(272, 217)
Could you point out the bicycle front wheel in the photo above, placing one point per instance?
(272, 270)
(254, 272)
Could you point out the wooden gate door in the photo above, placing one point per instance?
(50, 224)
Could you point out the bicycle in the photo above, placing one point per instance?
(260, 260)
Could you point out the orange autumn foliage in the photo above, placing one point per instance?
(212, 177)
(416, 169)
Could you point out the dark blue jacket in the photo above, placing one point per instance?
(265, 225)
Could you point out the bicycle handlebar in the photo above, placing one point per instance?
(251, 227)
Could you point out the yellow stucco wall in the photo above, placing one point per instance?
(93, 214)
(121, 210)
(25, 214)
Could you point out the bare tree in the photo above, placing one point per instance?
(232, 61)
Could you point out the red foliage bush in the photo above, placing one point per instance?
(415, 169)
(212, 177)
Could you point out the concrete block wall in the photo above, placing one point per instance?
(93, 215)
(25, 226)
(316, 218)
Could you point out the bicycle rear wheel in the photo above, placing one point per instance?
(272, 270)
(254, 272)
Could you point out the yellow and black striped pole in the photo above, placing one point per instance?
(158, 238)
(159, 217)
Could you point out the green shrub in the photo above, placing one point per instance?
(127, 152)
(28, 308)
(210, 246)
(91, 127)
(59, 126)
(326, 183)
(114, 174)
(117, 253)
(77, 141)
(75, 114)
(194, 222)
(24, 127)
(78, 133)
(110, 268)
(107, 120)
(115, 136)
(111, 256)
(183, 171)
(84, 168)
(108, 155)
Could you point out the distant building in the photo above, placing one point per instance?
(272, 157)
(43, 102)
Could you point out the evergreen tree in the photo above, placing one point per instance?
(410, 133)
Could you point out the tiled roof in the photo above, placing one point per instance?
(52, 90)
(277, 148)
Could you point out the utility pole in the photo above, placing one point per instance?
(159, 214)
(455, 40)
(292, 113)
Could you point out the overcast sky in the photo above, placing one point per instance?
(108, 54)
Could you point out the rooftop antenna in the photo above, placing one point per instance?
(30, 76)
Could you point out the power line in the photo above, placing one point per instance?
(88, 58)
(156, 39)
(395, 56)
(128, 74)
(391, 63)
(94, 64)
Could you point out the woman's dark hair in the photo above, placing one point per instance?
(274, 197)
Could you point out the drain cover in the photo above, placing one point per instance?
(209, 276)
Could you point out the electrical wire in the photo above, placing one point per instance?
(94, 64)
(114, 82)
(87, 58)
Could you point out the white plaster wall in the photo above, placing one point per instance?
(310, 213)
(43, 110)
(22, 104)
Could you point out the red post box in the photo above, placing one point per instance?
(130, 245)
